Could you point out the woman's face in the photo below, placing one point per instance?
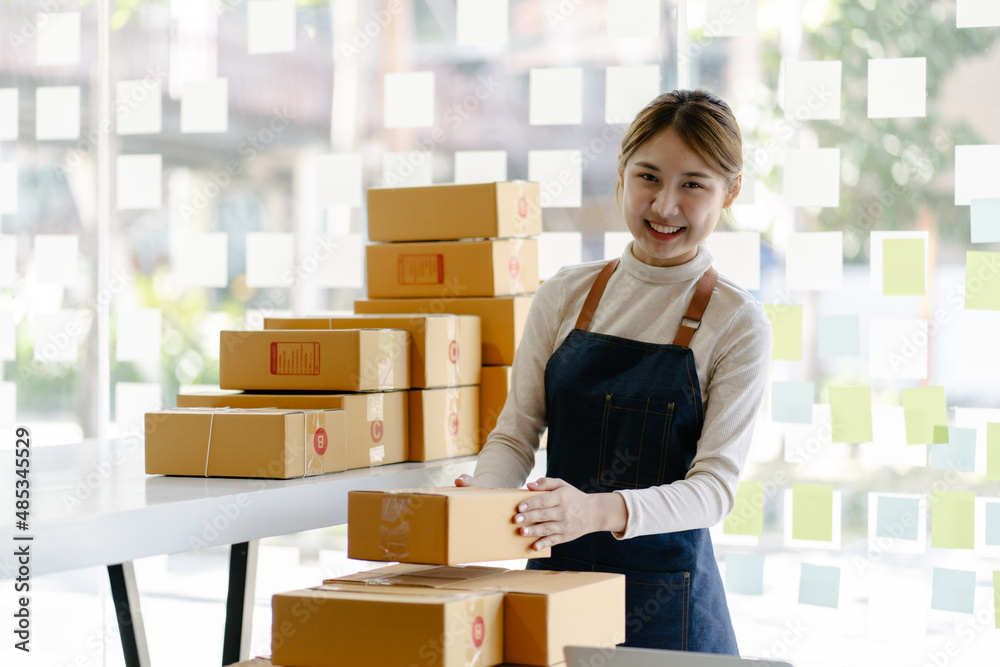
(671, 200)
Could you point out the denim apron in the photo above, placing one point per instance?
(623, 414)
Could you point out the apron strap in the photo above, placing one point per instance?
(702, 293)
(596, 291)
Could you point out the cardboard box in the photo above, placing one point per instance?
(446, 212)
(443, 423)
(494, 385)
(375, 428)
(502, 319)
(446, 269)
(351, 360)
(245, 443)
(256, 662)
(444, 526)
(357, 626)
(445, 350)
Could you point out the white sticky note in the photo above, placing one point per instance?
(897, 523)
(627, 90)
(985, 220)
(615, 243)
(132, 401)
(205, 106)
(139, 106)
(57, 113)
(409, 99)
(560, 175)
(57, 258)
(480, 166)
(270, 26)
(812, 177)
(8, 339)
(139, 184)
(556, 250)
(8, 404)
(338, 180)
(977, 356)
(202, 260)
(897, 88)
(737, 256)
(897, 608)
(479, 22)
(270, 259)
(875, 254)
(9, 114)
(888, 446)
(815, 261)
(628, 19)
(58, 38)
(8, 259)
(138, 335)
(555, 96)
(730, 18)
(975, 176)
(977, 14)
(897, 348)
(58, 336)
(405, 170)
(812, 89)
(812, 442)
(340, 261)
(8, 187)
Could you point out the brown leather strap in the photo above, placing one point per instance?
(702, 293)
(596, 291)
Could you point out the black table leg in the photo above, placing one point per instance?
(239, 603)
(126, 597)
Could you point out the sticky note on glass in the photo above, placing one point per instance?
(819, 585)
(992, 537)
(139, 106)
(897, 348)
(953, 590)
(903, 262)
(884, 282)
(560, 175)
(205, 106)
(839, 336)
(737, 256)
(730, 18)
(744, 573)
(851, 414)
(343, 266)
(975, 353)
(786, 329)
(924, 409)
(407, 170)
(792, 402)
(993, 452)
(977, 14)
(814, 261)
(555, 96)
(270, 259)
(409, 99)
(58, 336)
(338, 180)
(8, 341)
(8, 259)
(812, 89)
(888, 446)
(8, 187)
(57, 258)
(58, 38)
(480, 22)
(897, 88)
(812, 177)
(480, 166)
(8, 114)
(996, 597)
(982, 280)
(953, 519)
(138, 335)
(140, 182)
(812, 512)
(985, 217)
(556, 250)
(270, 26)
(132, 401)
(897, 518)
(57, 113)
(747, 517)
(202, 260)
(630, 19)
(959, 453)
(627, 90)
(974, 176)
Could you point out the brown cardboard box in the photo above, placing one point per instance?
(445, 350)
(375, 423)
(444, 526)
(494, 385)
(256, 662)
(446, 212)
(351, 360)
(452, 268)
(502, 319)
(443, 423)
(245, 443)
(358, 626)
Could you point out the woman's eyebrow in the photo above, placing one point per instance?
(688, 174)
(647, 165)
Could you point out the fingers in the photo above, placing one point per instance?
(546, 484)
(467, 480)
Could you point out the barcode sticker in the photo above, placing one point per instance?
(420, 269)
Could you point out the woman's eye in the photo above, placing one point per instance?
(693, 185)
(648, 177)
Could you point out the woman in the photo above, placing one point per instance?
(648, 372)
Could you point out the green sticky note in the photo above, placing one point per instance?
(953, 518)
(996, 597)
(903, 262)
(747, 517)
(786, 327)
(923, 409)
(993, 452)
(851, 414)
(812, 512)
(982, 280)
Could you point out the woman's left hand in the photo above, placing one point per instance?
(566, 513)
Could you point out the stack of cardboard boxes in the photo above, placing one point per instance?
(464, 249)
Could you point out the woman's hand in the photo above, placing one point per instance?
(467, 480)
(566, 513)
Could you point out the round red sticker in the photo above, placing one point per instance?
(453, 351)
(514, 266)
(320, 441)
(522, 207)
(453, 423)
(376, 430)
(478, 631)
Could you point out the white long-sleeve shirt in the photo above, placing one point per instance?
(732, 350)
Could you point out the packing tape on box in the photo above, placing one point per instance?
(516, 268)
(394, 529)
(376, 425)
(387, 347)
(476, 634)
(454, 329)
(313, 464)
(452, 410)
(521, 209)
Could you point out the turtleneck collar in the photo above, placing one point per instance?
(681, 273)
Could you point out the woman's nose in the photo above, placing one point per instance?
(665, 204)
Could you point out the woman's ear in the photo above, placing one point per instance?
(734, 192)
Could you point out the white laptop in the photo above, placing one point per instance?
(589, 656)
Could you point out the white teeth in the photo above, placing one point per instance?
(663, 229)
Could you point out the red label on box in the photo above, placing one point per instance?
(478, 631)
(522, 207)
(514, 266)
(376, 430)
(420, 269)
(453, 351)
(320, 441)
(294, 358)
(453, 423)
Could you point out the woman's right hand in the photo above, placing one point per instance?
(467, 480)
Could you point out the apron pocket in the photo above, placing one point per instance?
(634, 439)
(657, 609)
